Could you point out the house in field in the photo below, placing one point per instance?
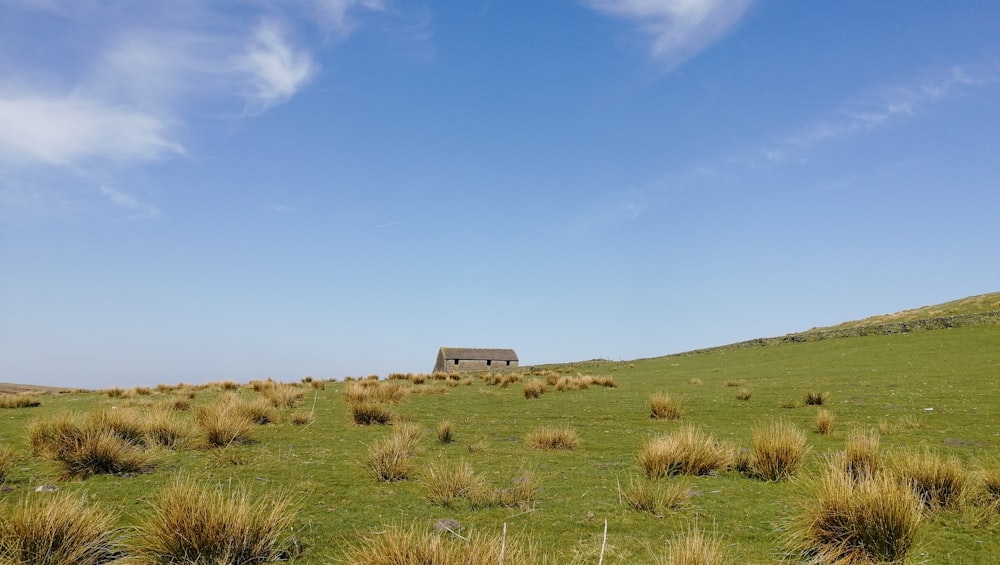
(454, 359)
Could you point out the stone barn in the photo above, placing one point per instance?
(454, 359)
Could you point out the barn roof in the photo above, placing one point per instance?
(478, 354)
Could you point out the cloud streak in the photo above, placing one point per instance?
(677, 29)
(887, 105)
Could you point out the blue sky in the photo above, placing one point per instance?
(196, 191)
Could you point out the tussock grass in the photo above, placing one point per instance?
(937, 481)
(258, 410)
(848, 521)
(695, 381)
(224, 424)
(991, 488)
(194, 524)
(59, 530)
(553, 438)
(744, 394)
(115, 392)
(390, 460)
(861, 453)
(318, 384)
(733, 383)
(816, 398)
(302, 418)
(645, 496)
(695, 547)
(7, 458)
(448, 483)
(664, 407)
(824, 422)
(778, 449)
(534, 389)
(375, 391)
(19, 401)
(445, 432)
(283, 396)
(688, 451)
(412, 546)
(85, 446)
(367, 413)
(161, 427)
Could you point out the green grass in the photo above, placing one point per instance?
(942, 384)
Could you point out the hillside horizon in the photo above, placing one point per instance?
(974, 309)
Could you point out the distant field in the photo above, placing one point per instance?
(929, 390)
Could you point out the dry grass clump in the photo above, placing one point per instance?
(194, 524)
(777, 451)
(412, 546)
(688, 451)
(824, 422)
(85, 446)
(447, 483)
(162, 428)
(503, 380)
(695, 381)
(283, 396)
(318, 384)
(258, 385)
(849, 521)
(695, 547)
(58, 530)
(744, 394)
(645, 496)
(114, 392)
(260, 411)
(7, 458)
(664, 407)
(19, 401)
(224, 424)
(367, 413)
(733, 383)
(178, 403)
(390, 459)
(445, 432)
(816, 398)
(142, 390)
(371, 390)
(534, 388)
(938, 482)
(861, 454)
(553, 438)
(991, 486)
(302, 418)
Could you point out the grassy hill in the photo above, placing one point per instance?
(919, 392)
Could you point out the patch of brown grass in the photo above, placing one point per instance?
(688, 451)
(824, 422)
(871, 520)
(7, 458)
(744, 394)
(191, 523)
(861, 454)
(646, 496)
(778, 449)
(662, 406)
(816, 398)
(58, 530)
(448, 483)
(445, 432)
(367, 413)
(937, 481)
(411, 546)
(695, 547)
(553, 438)
(534, 389)
(19, 401)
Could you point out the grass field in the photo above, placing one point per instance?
(927, 391)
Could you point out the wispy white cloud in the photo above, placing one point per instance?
(677, 29)
(62, 130)
(276, 69)
(109, 86)
(886, 105)
(130, 203)
(336, 14)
